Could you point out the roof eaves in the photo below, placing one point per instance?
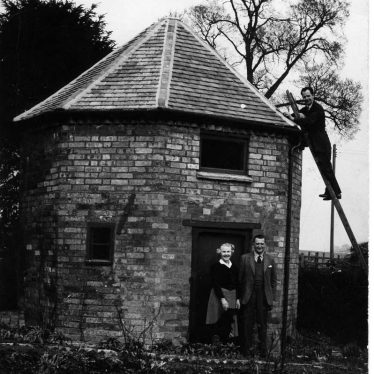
(50, 98)
(154, 114)
(240, 77)
(33, 111)
(258, 123)
(263, 124)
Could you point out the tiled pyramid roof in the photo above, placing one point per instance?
(166, 66)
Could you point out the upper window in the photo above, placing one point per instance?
(223, 153)
(100, 243)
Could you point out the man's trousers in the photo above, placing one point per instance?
(324, 163)
(255, 311)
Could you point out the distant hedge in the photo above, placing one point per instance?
(334, 301)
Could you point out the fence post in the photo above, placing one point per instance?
(302, 260)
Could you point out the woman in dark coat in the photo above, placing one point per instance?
(223, 301)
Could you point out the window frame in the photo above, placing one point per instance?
(240, 139)
(89, 256)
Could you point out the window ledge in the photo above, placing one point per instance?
(224, 176)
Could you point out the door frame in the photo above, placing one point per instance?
(210, 227)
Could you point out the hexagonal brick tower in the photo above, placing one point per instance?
(135, 172)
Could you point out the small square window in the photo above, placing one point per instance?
(100, 243)
(223, 153)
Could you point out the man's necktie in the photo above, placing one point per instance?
(259, 260)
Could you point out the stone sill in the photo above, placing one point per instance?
(224, 176)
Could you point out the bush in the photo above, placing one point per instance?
(335, 302)
(32, 335)
(19, 360)
(38, 351)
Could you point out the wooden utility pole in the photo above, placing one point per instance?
(332, 208)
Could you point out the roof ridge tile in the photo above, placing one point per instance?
(166, 70)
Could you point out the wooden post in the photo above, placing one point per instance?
(302, 260)
(332, 208)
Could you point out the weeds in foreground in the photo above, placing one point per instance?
(43, 352)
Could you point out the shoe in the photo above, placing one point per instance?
(325, 194)
(338, 196)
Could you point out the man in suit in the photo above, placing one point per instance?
(312, 122)
(257, 291)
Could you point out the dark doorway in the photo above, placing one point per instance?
(204, 245)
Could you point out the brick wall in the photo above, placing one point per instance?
(78, 173)
(12, 318)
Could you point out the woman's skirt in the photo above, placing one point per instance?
(215, 310)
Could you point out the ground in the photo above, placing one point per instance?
(32, 350)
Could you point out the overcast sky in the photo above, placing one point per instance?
(128, 18)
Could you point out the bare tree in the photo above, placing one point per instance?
(276, 39)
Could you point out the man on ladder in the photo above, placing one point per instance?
(312, 122)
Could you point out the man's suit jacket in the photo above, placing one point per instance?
(314, 125)
(247, 277)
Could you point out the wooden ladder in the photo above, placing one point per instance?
(335, 201)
